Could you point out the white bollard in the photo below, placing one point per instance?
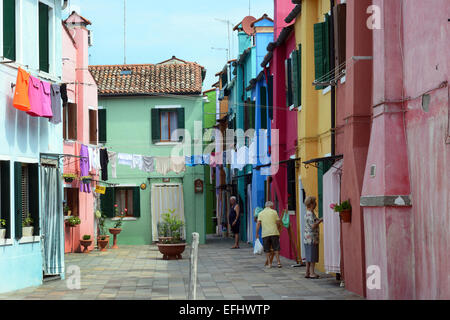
(193, 267)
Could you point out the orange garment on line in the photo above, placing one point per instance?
(20, 100)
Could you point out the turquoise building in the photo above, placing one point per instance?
(30, 148)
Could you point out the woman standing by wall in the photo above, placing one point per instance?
(311, 238)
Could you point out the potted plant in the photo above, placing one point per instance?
(67, 211)
(69, 177)
(2, 228)
(102, 230)
(86, 243)
(86, 179)
(73, 221)
(103, 241)
(115, 230)
(163, 232)
(174, 246)
(27, 226)
(344, 209)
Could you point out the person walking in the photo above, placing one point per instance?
(311, 237)
(234, 221)
(271, 227)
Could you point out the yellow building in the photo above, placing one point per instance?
(314, 116)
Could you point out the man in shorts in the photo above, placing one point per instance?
(270, 222)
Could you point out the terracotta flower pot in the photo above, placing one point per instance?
(172, 251)
(115, 232)
(86, 244)
(346, 216)
(163, 239)
(102, 244)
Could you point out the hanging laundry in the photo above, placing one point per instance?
(252, 153)
(46, 100)
(63, 90)
(84, 168)
(212, 160)
(56, 104)
(112, 157)
(125, 159)
(206, 159)
(148, 164)
(198, 159)
(177, 164)
(242, 157)
(97, 165)
(137, 162)
(91, 158)
(162, 165)
(104, 159)
(21, 100)
(189, 161)
(34, 95)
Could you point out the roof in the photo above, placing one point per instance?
(148, 79)
(68, 33)
(86, 21)
(172, 60)
(264, 17)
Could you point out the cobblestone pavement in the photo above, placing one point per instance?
(138, 272)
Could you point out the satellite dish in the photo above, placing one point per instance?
(246, 25)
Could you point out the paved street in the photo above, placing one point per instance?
(138, 272)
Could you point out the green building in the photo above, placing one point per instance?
(141, 106)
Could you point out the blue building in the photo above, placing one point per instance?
(30, 148)
(248, 112)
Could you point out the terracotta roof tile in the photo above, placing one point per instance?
(148, 79)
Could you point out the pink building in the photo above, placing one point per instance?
(406, 186)
(80, 122)
(283, 120)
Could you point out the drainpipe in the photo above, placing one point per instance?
(333, 88)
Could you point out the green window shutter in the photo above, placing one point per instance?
(5, 195)
(44, 42)
(326, 44)
(137, 202)
(33, 195)
(270, 96)
(102, 125)
(299, 88)
(323, 167)
(294, 76)
(9, 29)
(107, 202)
(18, 199)
(181, 120)
(319, 52)
(288, 81)
(156, 125)
(263, 98)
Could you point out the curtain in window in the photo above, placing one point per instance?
(164, 126)
(52, 221)
(173, 125)
(165, 197)
(124, 198)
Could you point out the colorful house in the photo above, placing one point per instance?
(80, 127)
(30, 146)
(406, 184)
(144, 105)
(281, 186)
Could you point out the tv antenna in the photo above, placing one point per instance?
(229, 25)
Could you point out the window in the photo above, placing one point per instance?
(124, 197)
(93, 127)
(322, 51)
(263, 107)
(9, 29)
(270, 96)
(5, 196)
(288, 79)
(26, 181)
(44, 37)
(101, 125)
(71, 197)
(70, 121)
(296, 77)
(165, 122)
(292, 194)
(340, 28)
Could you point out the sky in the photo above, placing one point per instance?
(158, 29)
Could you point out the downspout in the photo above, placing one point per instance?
(333, 87)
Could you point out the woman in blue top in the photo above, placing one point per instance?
(234, 221)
